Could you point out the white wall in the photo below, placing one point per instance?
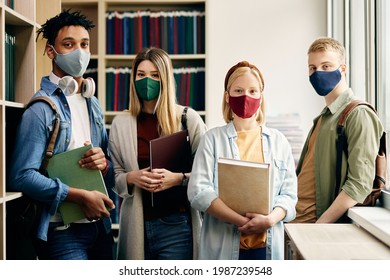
(273, 35)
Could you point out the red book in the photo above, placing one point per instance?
(172, 152)
(116, 35)
(158, 31)
(152, 32)
(119, 41)
(140, 27)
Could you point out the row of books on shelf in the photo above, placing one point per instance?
(177, 32)
(190, 90)
(117, 88)
(10, 42)
(190, 82)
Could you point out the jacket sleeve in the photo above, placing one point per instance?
(363, 131)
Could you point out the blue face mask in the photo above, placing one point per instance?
(74, 63)
(325, 81)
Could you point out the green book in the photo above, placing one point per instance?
(65, 167)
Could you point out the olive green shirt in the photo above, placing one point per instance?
(363, 131)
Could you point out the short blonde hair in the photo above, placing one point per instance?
(324, 44)
(234, 72)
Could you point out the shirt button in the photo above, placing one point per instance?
(67, 140)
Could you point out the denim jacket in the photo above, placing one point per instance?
(31, 141)
(221, 240)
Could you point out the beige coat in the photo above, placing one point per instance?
(123, 151)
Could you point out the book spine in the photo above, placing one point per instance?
(110, 77)
(7, 66)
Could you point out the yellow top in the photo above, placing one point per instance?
(251, 149)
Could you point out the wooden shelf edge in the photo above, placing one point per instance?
(14, 18)
(13, 104)
(10, 196)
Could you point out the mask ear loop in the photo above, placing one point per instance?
(68, 85)
(158, 101)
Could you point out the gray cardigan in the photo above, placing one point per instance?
(123, 149)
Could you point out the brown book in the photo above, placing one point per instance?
(172, 152)
(244, 186)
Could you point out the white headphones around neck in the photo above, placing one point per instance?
(69, 86)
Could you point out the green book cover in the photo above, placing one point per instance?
(65, 167)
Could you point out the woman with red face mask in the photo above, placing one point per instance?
(227, 234)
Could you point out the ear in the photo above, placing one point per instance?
(343, 68)
(227, 97)
(49, 51)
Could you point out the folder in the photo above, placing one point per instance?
(65, 167)
(172, 152)
(244, 186)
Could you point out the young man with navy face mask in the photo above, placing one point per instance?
(82, 122)
(316, 170)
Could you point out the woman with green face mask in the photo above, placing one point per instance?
(162, 225)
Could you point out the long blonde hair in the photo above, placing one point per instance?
(234, 72)
(167, 111)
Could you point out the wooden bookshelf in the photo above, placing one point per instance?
(21, 21)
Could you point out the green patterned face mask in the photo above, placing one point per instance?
(147, 88)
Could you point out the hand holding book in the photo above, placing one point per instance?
(65, 166)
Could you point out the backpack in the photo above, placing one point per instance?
(379, 182)
(23, 213)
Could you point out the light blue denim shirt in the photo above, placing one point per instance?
(221, 240)
(31, 141)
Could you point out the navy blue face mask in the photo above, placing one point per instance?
(325, 81)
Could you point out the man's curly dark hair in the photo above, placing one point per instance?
(50, 28)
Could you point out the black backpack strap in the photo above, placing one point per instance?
(341, 143)
(56, 127)
(184, 118)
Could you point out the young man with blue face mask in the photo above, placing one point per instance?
(316, 170)
(81, 122)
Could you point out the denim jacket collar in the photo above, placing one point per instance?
(49, 87)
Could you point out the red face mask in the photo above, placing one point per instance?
(244, 106)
